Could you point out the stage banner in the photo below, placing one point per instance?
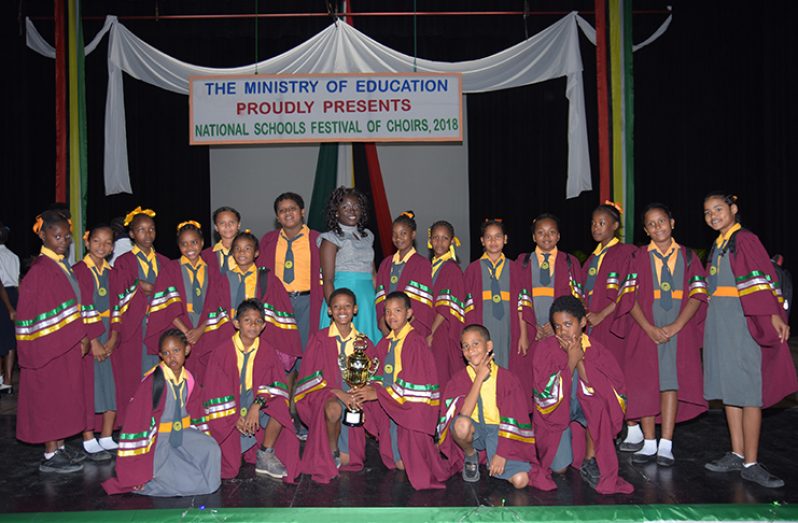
(403, 107)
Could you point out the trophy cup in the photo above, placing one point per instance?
(357, 370)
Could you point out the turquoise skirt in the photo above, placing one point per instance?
(365, 321)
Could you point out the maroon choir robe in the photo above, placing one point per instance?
(218, 327)
(760, 297)
(605, 291)
(268, 246)
(87, 285)
(449, 294)
(132, 309)
(416, 282)
(640, 367)
(139, 436)
(602, 400)
(516, 437)
(521, 296)
(318, 376)
(412, 402)
(222, 407)
(281, 331)
(567, 275)
(50, 323)
(210, 257)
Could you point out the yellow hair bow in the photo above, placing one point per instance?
(37, 226)
(429, 238)
(86, 236)
(408, 214)
(247, 231)
(138, 210)
(614, 205)
(188, 222)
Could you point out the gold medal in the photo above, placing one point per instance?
(713, 270)
(243, 412)
(665, 286)
(289, 264)
(102, 291)
(198, 292)
(177, 426)
(394, 279)
(545, 266)
(389, 368)
(497, 298)
(592, 271)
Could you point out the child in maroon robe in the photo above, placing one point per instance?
(578, 380)
(54, 329)
(747, 361)
(245, 281)
(484, 410)
(448, 290)
(95, 278)
(401, 413)
(499, 297)
(246, 401)
(147, 305)
(601, 276)
(552, 272)
(409, 272)
(164, 447)
(203, 319)
(660, 315)
(321, 395)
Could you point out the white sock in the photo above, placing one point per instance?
(49, 455)
(108, 443)
(665, 448)
(649, 447)
(92, 446)
(633, 434)
(747, 465)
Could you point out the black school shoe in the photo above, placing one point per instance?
(74, 455)
(759, 474)
(59, 463)
(590, 473)
(99, 457)
(642, 459)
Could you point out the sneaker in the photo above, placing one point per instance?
(269, 464)
(471, 468)
(590, 472)
(75, 455)
(100, 456)
(730, 462)
(59, 463)
(625, 446)
(759, 474)
(337, 458)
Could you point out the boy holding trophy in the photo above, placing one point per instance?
(322, 396)
(402, 412)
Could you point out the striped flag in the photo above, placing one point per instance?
(78, 168)
(622, 99)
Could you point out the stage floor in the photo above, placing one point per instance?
(24, 489)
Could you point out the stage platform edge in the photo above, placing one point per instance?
(545, 514)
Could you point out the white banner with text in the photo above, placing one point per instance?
(405, 107)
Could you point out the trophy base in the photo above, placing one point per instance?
(353, 418)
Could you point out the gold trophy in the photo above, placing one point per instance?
(357, 370)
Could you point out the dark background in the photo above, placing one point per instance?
(714, 108)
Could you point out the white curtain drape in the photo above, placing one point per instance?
(340, 48)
